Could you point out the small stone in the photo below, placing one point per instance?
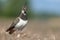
(18, 35)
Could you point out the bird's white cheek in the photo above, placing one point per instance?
(22, 11)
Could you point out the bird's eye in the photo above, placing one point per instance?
(25, 12)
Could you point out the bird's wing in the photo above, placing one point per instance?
(15, 22)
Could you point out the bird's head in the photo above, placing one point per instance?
(24, 9)
(24, 12)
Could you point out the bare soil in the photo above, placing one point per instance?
(35, 30)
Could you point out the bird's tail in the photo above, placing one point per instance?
(10, 30)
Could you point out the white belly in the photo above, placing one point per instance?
(21, 23)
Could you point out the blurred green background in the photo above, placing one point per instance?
(12, 8)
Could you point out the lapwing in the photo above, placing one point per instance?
(20, 22)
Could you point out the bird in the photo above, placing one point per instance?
(20, 22)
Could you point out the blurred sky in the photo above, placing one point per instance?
(45, 5)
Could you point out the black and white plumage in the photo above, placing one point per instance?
(20, 21)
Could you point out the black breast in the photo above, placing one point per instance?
(24, 17)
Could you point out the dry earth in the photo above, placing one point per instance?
(35, 30)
